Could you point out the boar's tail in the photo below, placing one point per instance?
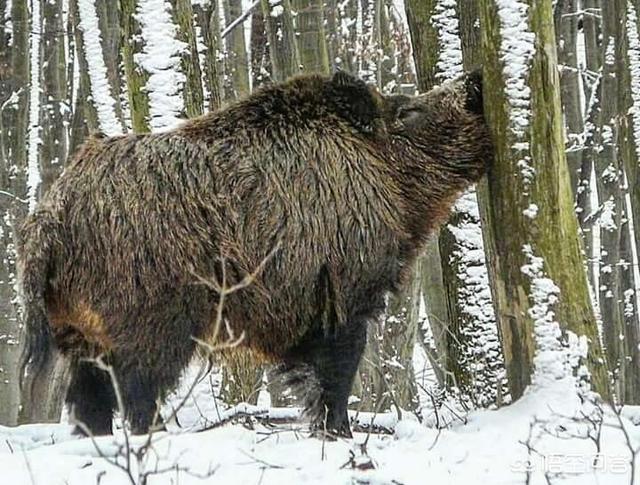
(36, 239)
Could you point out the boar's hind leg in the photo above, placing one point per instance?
(146, 376)
(150, 363)
(334, 359)
(140, 388)
(91, 398)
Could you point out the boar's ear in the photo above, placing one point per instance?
(353, 100)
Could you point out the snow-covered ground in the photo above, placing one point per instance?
(548, 436)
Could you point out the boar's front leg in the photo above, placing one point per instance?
(334, 360)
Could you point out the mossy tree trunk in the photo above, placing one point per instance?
(135, 77)
(424, 36)
(530, 205)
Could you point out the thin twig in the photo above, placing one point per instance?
(239, 20)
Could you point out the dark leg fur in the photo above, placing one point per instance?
(334, 360)
(146, 369)
(146, 375)
(140, 388)
(91, 398)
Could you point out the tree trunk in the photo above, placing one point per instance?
(111, 37)
(615, 151)
(260, 62)
(237, 72)
(424, 36)
(54, 113)
(135, 77)
(473, 372)
(283, 50)
(311, 35)
(183, 17)
(386, 379)
(536, 269)
(566, 27)
(15, 118)
(591, 79)
(209, 23)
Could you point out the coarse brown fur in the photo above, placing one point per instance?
(333, 185)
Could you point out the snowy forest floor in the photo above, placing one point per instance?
(549, 436)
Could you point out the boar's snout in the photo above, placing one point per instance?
(473, 89)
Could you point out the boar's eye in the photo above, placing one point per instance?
(410, 116)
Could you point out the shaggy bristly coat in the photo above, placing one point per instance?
(324, 186)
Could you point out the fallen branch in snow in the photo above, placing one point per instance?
(438, 403)
(262, 462)
(245, 410)
(372, 423)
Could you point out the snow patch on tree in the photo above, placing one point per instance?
(368, 66)
(607, 219)
(100, 89)
(160, 58)
(7, 23)
(633, 53)
(445, 20)
(531, 212)
(482, 353)
(517, 49)
(555, 358)
(33, 137)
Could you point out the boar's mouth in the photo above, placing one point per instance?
(473, 89)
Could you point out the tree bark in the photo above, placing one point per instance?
(566, 27)
(283, 50)
(613, 152)
(425, 37)
(183, 17)
(237, 63)
(530, 213)
(311, 35)
(207, 18)
(135, 77)
(14, 103)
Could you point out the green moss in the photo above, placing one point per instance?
(553, 233)
(136, 78)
